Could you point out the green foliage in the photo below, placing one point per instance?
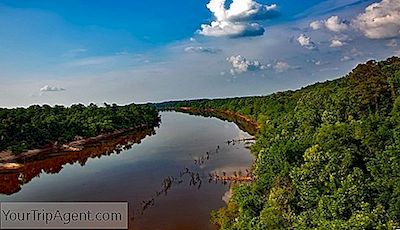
(327, 155)
(225, 217)
(36, 126)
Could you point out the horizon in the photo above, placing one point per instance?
(77, 51)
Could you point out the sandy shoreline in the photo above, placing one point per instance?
(13, 162)
(10, 162)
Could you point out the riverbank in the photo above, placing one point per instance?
(15, 175)
(10, 162)
(138, 174)
(245, 123)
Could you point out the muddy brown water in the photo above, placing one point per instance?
(155, 176)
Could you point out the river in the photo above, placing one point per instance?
(165, 177)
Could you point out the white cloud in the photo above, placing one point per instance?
(316, 25)
(201, 49)
(306, 42)
(236, 21)
(233, 30)
(335, 43)
(380, 20)
(333, 23)
(282, 66)
(48, 88)
(316, 61)
(241, 65)
(339, 40)
(346, 58)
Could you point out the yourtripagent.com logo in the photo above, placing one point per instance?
(78, 215)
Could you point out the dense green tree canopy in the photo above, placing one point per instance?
(36, 126)
(328, 155)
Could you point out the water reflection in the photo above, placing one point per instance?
(243, 123)
(161, 175)
(53, 163)
(196, 178)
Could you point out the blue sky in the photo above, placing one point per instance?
(64, 52)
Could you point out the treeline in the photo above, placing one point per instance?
(22, 129)
(327, 156)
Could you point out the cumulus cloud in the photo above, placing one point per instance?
(380, 20)
(233, 30)
(282, 66)
(306, 42)
(241, 65)
(335, 43)
(201, 49)
(333, 23)
(48, 88)
(239, 19)
(316, 25)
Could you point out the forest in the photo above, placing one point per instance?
(327, 155)
(23, 129)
